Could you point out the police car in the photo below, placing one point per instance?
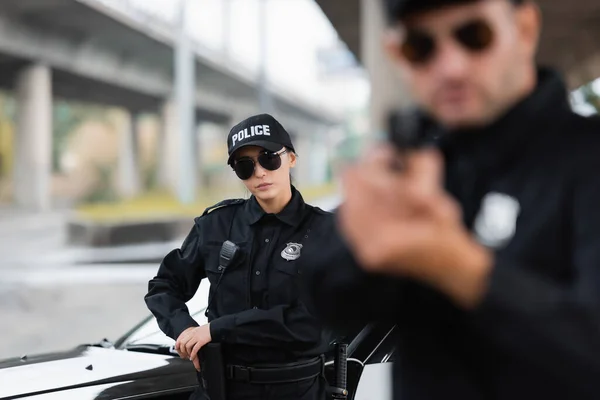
(142, 364)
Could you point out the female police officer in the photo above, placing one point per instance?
(251, 252)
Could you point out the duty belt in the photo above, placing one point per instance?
(272, 374)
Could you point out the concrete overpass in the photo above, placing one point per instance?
(569, 42)
(84, 50)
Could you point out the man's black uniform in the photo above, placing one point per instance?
(255, 312)
(536, 334)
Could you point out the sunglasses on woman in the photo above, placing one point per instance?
(419, 46)
(244, 166)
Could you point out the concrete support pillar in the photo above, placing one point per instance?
(33, 152)
(185, 84)
(167, 148)
(319, 158)
(228, 179)
(302, 144)
(128, 168)
(197, 159)
(387, 89)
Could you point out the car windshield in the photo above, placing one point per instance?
(149, 333)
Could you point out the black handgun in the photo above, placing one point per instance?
(410, 129)
(212, 371)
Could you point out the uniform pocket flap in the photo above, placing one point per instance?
(287, 267)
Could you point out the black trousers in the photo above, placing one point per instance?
(308, 389)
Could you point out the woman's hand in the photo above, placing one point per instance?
(190, 342)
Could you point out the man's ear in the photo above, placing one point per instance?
(391, 42)
(529, 20)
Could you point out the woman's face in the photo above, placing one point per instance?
(266, 185)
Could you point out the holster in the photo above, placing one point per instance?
(212, 371)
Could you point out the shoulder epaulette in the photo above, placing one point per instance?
(221, 204)
(319, 210)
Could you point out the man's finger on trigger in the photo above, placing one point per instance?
(425, 168)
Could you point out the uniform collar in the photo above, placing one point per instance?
(499, 142)
(291, 214)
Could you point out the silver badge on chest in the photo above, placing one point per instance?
(496, 222)
(291, 251)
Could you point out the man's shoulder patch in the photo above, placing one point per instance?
(222, 204)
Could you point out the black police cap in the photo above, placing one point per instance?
(397, 9)
(261, 130)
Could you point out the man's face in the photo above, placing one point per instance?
(467, 64)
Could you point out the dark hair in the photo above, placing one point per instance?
(397, 9)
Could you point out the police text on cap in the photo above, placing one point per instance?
(254, 130)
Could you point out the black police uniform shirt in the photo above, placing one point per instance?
(256, 312)
(529, 187)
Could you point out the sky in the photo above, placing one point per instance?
(295, 30)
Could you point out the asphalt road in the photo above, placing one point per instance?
(54, 310)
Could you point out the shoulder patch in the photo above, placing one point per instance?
(221, 204)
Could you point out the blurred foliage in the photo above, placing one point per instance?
(103, 191)
(150, 177)
(67, 117)
(352, 146)
(7, 117)
(161, 204)
(103, 200)
(590, 96)
(6, 145)
(354, 139)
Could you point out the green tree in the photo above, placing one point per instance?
(67, 116)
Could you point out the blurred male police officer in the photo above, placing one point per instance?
(484, 248)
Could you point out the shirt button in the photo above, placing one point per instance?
(267, 240)
(257, 272)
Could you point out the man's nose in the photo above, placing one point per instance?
(451, 61)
